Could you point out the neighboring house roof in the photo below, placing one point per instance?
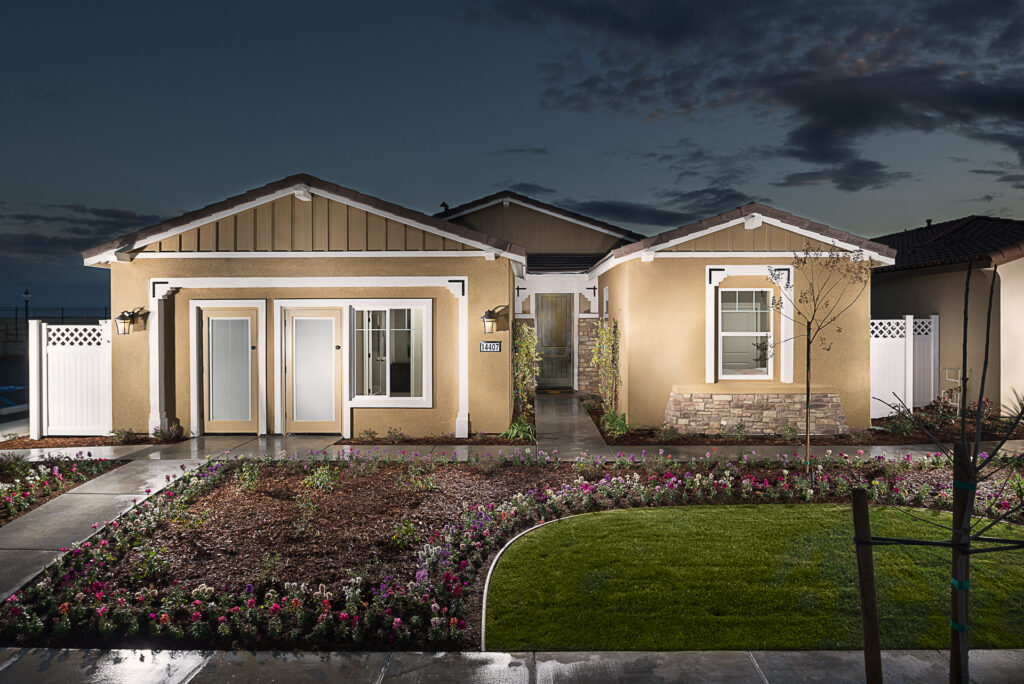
(298, 182)
(820, 230)
(970, 238)
(562, 263)
(511, 196)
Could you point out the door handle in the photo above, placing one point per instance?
(337, 346)
(252, 348)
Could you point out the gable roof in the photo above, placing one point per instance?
(302, 182)
(996, 240)
(818, 230)
(523, 200)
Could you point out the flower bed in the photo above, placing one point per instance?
(25, 485)
(127, 586)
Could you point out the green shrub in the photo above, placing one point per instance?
(606, 359)
(323, 478)
(521, 428)
(122, 436)
(169, 434)
(404, 535)
(369, 436)
(525, 364)
(667, 433)
(901, 423)
(396, 435)
(248, 475)
(615, 424)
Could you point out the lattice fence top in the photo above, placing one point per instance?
(888, 328)
(78, 335)
(922, 326)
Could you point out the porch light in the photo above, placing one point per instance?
(124, 322)
(490, 319)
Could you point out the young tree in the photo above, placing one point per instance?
(816, 291)
(971, 466)
(525, 366)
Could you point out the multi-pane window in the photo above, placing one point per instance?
(389, 352)
(745, 333)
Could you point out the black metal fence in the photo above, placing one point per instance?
(14, 325)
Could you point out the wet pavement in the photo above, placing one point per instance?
(563, 424)
(19, 666)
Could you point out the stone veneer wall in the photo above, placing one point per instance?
(586, 372)
(760, 413)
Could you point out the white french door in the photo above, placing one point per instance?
(312, 370)
(230, 370)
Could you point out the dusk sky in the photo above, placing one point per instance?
(870, 117)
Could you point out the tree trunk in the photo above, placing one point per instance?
(807, 403)
(964, 483)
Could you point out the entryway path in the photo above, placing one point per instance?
(563, 424)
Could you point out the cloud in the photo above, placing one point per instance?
(851, 176)
(700, 203)
(65, 230)
(531, 189)
(519, 151)
(1013, 179)
(674, 207)
(833, 75)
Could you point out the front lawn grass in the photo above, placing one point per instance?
(768, 577)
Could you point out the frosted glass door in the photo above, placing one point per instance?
(313, 368)
(230, 370)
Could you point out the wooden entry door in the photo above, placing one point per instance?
(312, 370)
(230, 370)
(554, 339)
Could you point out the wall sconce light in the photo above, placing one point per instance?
(490, 320)
(124, 322)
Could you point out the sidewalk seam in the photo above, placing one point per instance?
(757, 667)
(383, 669)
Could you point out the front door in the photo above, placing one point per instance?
(312, 370)
(554, 339)
(230, 370)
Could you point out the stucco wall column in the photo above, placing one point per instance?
(159, 292)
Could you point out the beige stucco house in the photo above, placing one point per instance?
(928, 278)
(304, 306)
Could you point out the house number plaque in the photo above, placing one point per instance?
(490, 346)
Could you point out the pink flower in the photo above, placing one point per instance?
(222, 619)
(396, 623)
(275, 609)
(197, 616)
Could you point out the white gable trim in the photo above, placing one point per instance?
(512, 200)
(752, 220)
(310, 255)
(300, 190)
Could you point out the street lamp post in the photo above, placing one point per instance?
(26, 296)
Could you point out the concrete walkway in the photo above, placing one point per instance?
(30, 543)
(563, 424)
(740, 667)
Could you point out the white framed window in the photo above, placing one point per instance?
(744, 334)
(604, 304)
(391, 346)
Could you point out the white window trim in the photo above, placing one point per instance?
(713, 277)
(365, 401)
(771, 330)
(195, 311)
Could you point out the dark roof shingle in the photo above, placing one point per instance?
(969, 238)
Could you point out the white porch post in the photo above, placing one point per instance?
(159, 292)
(36, 391)
(908, 362)
(460, 288)
(935, 356)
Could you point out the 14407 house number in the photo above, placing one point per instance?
(490, 346)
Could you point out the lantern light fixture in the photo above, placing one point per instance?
(490, 319)
(124, 322)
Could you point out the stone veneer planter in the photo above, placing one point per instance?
(586, 372)
(762, 413)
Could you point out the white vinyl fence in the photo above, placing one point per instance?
(69, 379)
(904, 363)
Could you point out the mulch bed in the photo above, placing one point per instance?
(75, 442)
(355, 523)
(875, 437)
(4, 518)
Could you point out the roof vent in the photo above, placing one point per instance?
(444, 206)
(927, 222)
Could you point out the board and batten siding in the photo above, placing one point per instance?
(289, 224)
(763, 238)
(538, 232)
